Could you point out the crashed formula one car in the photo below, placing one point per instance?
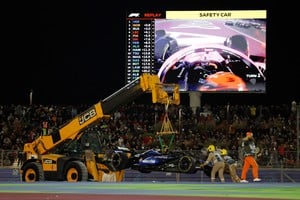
(174, 161)
(153, 160)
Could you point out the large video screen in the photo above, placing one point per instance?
(207, 51)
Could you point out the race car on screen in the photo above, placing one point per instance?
(194, 67)
(173, 161)
(191, 67)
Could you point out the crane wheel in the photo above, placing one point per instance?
(76, 171)
(33, 172)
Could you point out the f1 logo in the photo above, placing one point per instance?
(134, 15)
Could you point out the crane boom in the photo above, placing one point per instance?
(44, 145)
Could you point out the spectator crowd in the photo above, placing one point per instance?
(136, 125)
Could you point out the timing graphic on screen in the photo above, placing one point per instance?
(208, 51)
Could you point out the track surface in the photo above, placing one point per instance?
(148, 191)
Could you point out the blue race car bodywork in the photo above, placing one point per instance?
(175, 161)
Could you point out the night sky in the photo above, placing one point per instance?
(73, 52)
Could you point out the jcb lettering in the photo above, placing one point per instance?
(87, 116)
(47, 161)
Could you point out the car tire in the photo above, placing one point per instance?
(186, 164)
(119, 161)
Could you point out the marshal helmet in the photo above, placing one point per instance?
(211, 148)
(223, 152)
